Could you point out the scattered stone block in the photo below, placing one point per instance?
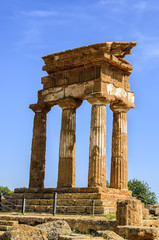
(23, 232)
(110, 235)
(55, 228)
(138, 233)
(78, 237)
(129, 212)
(74, 237)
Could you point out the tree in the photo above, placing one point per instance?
(5, 190)
(107, 184)
(142, 191)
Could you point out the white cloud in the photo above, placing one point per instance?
(39, 13)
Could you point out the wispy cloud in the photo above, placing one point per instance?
(30, 36)
(141, 6)
(145, 6)
(119, 2)
(40, 13)
(147, 50)
(37, 22)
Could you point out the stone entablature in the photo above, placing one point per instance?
(95, 70)
(96, 73)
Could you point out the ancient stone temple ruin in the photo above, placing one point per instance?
(98, 74)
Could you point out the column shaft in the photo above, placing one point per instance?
(97, 149)
(66, 169)
(119, 171)
(37, 166)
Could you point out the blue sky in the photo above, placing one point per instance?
(31, 29)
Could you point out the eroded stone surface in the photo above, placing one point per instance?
(77, 237)
(97, 149)
(23, 232)
(110, 235)
(55, 228)
(37, 165)
(119, 169)
(138, 233)
(66, 168)
(129, 212)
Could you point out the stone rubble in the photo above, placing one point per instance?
(55, 228)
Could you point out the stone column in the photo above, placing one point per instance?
(37, 165)
(97, 148)
(119, 168)
(66, 168)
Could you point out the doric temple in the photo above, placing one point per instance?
(98, 74)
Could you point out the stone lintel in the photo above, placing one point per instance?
(87, 90)
(40, 107)
(67, 103)
(120, 106)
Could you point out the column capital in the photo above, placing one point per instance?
(98, 101)
(67, 103)
(119, 107)
(40, 108)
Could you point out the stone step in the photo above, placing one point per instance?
(15, 196)
(68, 202)
(65, 202)
(4, 227)
(8, 223)
(2, 232)
(73, 190)
(68, 209)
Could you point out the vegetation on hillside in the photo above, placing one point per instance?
(5, 190)
(142, 191)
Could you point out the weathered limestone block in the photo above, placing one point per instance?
(151, 222)
(66, 169)
(138, 233)
(55, 228)
(23, 232)
(97, 148)
(110, 235)
(37, 165)
(129, 212)
(76, 237)
(119, 168)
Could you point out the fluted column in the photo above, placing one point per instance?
(97, 148)
(66, 168)
(119, 168)
(37, 165)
